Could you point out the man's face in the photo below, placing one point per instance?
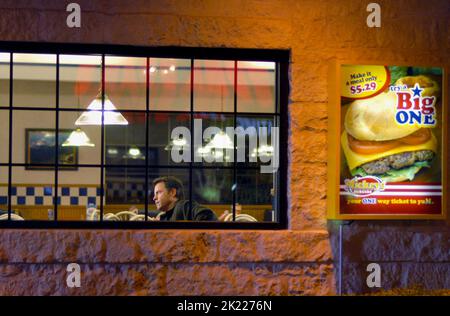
(164, 199)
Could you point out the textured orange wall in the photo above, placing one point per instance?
(301, 260)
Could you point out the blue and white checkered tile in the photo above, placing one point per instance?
(3, 190)
(38, 191)
(3, 200)
(82, 200)
(48, 191)
(93, 191)
(3, 195)
(68, 191)
(39, 195)
(130, 186)
(23, 200)
(21, 191)
(65, 200)
(132, 191)
(48, 200)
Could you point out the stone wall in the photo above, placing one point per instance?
(301, 260)
(165, 262)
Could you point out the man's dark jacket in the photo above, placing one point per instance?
(182, 212)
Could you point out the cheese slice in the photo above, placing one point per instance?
(354, 159)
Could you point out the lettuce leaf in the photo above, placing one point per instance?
(396, 73)
(396, 174)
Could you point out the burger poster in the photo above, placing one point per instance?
(390, 137)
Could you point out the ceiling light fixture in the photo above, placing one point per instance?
(78, 138)
(134, 153)
(163, 69)
(113, 151)
(263, 151)
(177, 144)
(221, 141)
(93, 115)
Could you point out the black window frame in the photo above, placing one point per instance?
(279, 56)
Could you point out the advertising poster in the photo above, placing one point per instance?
(391, 140)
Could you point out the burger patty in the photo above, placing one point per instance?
(397, 161)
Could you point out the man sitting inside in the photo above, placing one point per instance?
(170, 202)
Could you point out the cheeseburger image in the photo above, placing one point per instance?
(375, 144)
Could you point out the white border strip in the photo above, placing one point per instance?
(410, 187)
(413, 187)
(397, 194)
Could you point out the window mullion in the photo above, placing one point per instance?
(102, 154)
(10, 134)
(147, 127)
(191, 194)
(234, 187)
(55, 202)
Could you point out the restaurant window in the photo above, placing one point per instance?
(87, 129)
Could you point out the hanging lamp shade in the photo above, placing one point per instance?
(204, 151)
(78, 138)
(263, 151)
(134, 153)
(221, 141)
(177, 144)
(93, 115)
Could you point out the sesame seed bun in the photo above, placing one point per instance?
(373, 119)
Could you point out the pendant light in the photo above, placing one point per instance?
(263, 151)
(78, 138)
(177, 144)
(135, 153)
(220, 141)
(93, 115)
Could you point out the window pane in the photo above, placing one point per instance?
(34, 80)
(163, 150)
(181, 174)
(125, 193)
(125, 82)
(257, 148)
(3, 190)
(4, 136)
(125, 144)
(88, 137)
(78, 190)
(33, 137)
(79, 80)
(256, 87)
(4, 79)
(213, 187)
(215, 177)
(32, 193)
(213, 85)
(216, 147)
(255, 192)
(170, 84)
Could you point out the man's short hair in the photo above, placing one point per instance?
(171, 183)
